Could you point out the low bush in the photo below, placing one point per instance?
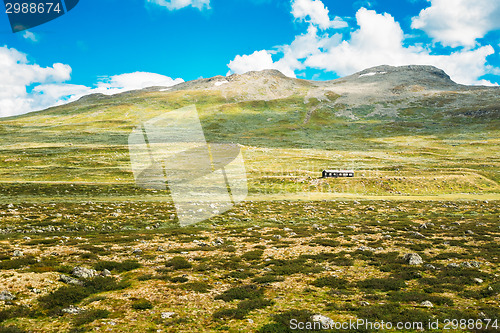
(178, 263)
(125, 266)
(330, 281)
(142, 304)
(89, 316)
(382, 284)
(243, 292)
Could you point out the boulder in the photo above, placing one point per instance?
(413, 259)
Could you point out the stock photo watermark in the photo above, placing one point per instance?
(170, 151)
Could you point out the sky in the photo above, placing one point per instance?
(111, 46)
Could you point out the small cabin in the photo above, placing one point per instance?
(337, 173)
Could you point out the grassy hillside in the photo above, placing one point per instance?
(428, 144)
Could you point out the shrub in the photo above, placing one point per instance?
(124, 266)
(267, 278)
(330, 281)
(142, 304)
(230, 313)
(105, 283)
(327, 242)
(178, 263)
(89, 316)
(252, 304)
(179, 279)
(199, 287)
(11, 329)
(244, 292)
(17, 263)
(252, 255)
(63, 297)
(294, 266)
(382, 284)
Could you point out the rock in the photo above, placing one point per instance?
(6, 296)
(84, 273)
(453, 265)
(413, 259)
(218, 242)
(18, 253)
(137, 251)
(167, 315)
(324, 320)
(427, 304)
(106, 272)
(72, 310)
(250, 321)
(478, 280)
(429, 266)
(364, 303)
(366, 248)
(417, 234)
(469, 232)
(70, 280)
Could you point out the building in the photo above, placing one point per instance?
(337, 173)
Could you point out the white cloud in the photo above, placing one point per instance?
(30, 36)
(458, 22)
(16, 74)
(179, 4)
(48, 85)
(378, 40)
(315, 12)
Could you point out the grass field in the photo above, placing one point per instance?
(427, 182)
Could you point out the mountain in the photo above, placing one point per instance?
(410, 118)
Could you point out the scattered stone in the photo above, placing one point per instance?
(471, 264)
(413, 259)
(218, 242)
(417, 234)
(18, 253)
(106, 272)
(427, 304)
(250, 321)
(364, 303)
(84, 273)
(469, 232)
(137, 251)
(478, 280)
(366, 248)
(453, 265)
(6, 296)
(430, 266)
(72, 310)
(324, 320)
(70, 280)
(167, 315)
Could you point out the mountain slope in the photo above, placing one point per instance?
(412, 118)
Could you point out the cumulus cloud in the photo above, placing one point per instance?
(378, 40)
(179, 4)
(315, 12)
(16, 74)
(26, 87)
(458, 22)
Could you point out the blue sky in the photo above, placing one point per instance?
(111, 46)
